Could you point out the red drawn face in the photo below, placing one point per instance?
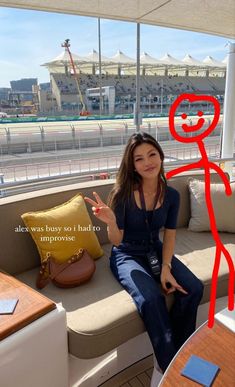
(201, 121)
(193, 128)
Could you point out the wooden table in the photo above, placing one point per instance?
(216, 345)
(30, 307)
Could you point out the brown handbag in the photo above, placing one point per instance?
(75, 271)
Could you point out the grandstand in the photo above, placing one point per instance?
(161, 80)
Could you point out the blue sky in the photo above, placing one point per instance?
(30, 38)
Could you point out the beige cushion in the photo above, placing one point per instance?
(180, 183)
(197, 251)
(101, 314)
(19, 252)
(224, 207)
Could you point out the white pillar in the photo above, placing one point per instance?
(229, 108)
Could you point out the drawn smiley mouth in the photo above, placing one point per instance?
(193, 128)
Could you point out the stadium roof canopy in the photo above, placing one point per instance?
(170, 60)
(146, 59)
(189, 60)
(213, 17)
(209, 61)
(93, 57)
(120, 59)
(63, 59)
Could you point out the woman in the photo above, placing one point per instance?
(139, 205)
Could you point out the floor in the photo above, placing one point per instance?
(137, 375)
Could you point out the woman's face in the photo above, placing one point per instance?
(147, 161)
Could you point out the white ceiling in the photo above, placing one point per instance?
(215, 17)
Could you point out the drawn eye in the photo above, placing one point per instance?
(184, 116)
(200, 113)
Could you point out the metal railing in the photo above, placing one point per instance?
(16, 139)
(54, 174)
(63, 152)
(59, 168)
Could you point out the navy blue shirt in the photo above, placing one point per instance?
(132, 220)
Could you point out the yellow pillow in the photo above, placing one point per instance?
(62, 230)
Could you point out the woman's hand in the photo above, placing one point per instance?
(101, 210)
(169, 283)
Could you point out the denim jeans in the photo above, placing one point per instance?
(167, 330)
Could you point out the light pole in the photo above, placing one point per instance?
(100, 75)
(137, 104)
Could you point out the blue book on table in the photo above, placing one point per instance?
(200, 371)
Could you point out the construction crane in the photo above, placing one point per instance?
(84, 111)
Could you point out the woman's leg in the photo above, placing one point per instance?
(135, 277)
(184, 310)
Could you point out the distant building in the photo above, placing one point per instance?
(47, 102)
(24, 84)
(45, 86)
(4, 91)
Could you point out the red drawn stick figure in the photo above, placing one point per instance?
(207, 166)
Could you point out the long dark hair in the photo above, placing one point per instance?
(127, 178)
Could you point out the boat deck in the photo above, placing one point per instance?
(137, 375)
